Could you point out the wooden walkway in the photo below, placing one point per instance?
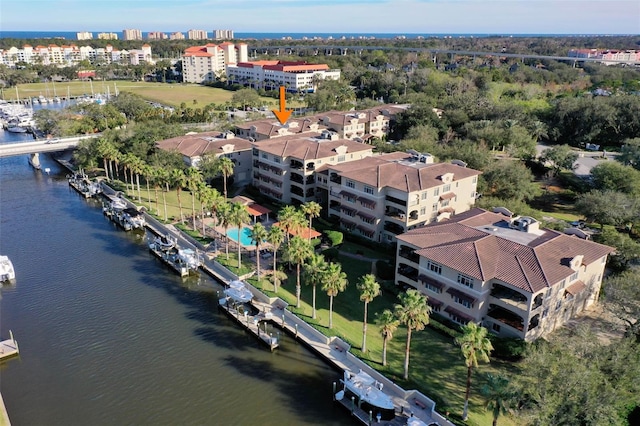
(9, 348)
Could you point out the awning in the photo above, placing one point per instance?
(575, 288)
(367, 216)
(257, 210)
(457, 313)
(434, 303)
(347, 223)
(348, 209)
(428, 280)
(348, 194)
(446, 210)
(461, 295)
(367, 202)
(448, 196)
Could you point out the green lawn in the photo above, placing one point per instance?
(166, 94)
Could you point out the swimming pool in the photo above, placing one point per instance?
(245, 236)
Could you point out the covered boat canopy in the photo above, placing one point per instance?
(238, 292)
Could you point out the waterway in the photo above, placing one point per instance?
(108, 335)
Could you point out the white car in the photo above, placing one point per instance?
(54, 140)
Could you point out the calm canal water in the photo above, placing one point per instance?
(108, 335)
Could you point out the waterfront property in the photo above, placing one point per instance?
(503, 271)
(244, 236)
(202, 64)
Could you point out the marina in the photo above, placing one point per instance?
(85, 187)
(184, 261)
(123, 213)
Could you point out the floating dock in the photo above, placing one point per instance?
(255, 324)
(9, 348)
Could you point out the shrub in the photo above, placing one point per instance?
(330, 254)
(508, 348)
(335, 237)
(444, 329)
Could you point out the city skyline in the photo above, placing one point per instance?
(346, 16)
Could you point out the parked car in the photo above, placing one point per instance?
(54, 140)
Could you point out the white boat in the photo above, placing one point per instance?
(163, 242)
(7, 273)
(189, 257)
(368, 392)
(183, 261)
(237, 292)
(17, 129)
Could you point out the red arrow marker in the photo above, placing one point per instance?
(282, 114)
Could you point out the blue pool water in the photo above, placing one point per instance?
(245, 236)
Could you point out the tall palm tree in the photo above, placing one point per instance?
(194, 179)
(205, 194)
(106, 150)
(258, 235)
(388, 324)
(127, 162)
(497, 394)
(147, 172)
(413, 312)
(475, 346)
(137, 167)
(163, 178)
(224, 219)
(313, 271)
(369, 290)
(225, 166)
(297, 252)
(239, 216)
(311, 209)
(179, 179)
(277, 276)
(334, 281)
(291, 220)
(275, 238)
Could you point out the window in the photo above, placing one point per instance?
(351, 184)
(446, 188)
(423, 211)
(340, 158)
(435, 207)
(276, 159)
(434, 267)
(545, 312)
(457, 319)
(425, 195)
(433, 288)
(368, 190)
(463, 302)
(465, 280)
(445, 203)
(436, 192)
(559, 304)
(265, 156)
(495, 327)
(574, 277)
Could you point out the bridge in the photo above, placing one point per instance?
(42, 145)
(343, 50)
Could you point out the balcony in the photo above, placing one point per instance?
(296, 165)
(395, 200)
(394, 228)
(510, 297)
(295, 177)
(408, 271)
(396, 214)
(335, 178)
(409, 254)
(507, 317)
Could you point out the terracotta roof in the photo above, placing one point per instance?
(257, 210)
(465, 244)
(308, 147)
(575, 288)
(304, 232)
(202, 143)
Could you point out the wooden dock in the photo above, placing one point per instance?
(368, 418)
(9, 348)
(254, 324)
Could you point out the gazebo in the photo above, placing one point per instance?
(254, 209)
(305, 232)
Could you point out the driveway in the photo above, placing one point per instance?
(586, 159)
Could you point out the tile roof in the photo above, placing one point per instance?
(484, 255)
(202, 143)
(308, 147)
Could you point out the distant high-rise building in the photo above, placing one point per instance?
(197, 35)
(84, 35)
(223, 34)
(157, 35)
(131, 34)
(107, 36)
(176, 36)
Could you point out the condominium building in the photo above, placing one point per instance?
(362, 125)
(223, 34)
(131, 34)
(202, 64)
(72, 54)
(107, 36)
(297, 76)
(84, 35)
(176, 36)
(502, 271)
(197, 35)
(284, 168)
(157, 35)
(388, 194)
(194, 147)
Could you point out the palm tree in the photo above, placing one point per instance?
(497, 394)
(388, 324)
(179, 179)
(239, 216)
(291, 220)
(136, 167)
(258, 235)
(277, 276)
(311, 209)
(369, 290)
(275, 238)
(224, 218)
(413, 312)
(313, 271)
(106, 150)
(334, 281)
(163, 178)
(194, 179)
(127, 163)
(205, 195)
(475, 346)
(147, 172)
(225, 167)
(297, 252)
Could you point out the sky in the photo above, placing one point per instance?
(327, 16)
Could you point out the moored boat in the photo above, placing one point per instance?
(7, 273)
(182, 260)
(368, 392)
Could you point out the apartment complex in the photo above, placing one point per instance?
(176, 36)
(194, 146)
(131, 34)
(607, 56)
(284, 168)
(202, 64)
(502, 271)
(197, 35)
(72, 54)
(107, 36)
(157, 35)
(84, 35)
(297, 76)
(388, 194)
(223, 34)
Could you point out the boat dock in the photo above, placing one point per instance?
(9, 348)
(255, 324)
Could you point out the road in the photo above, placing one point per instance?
(586, 159)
